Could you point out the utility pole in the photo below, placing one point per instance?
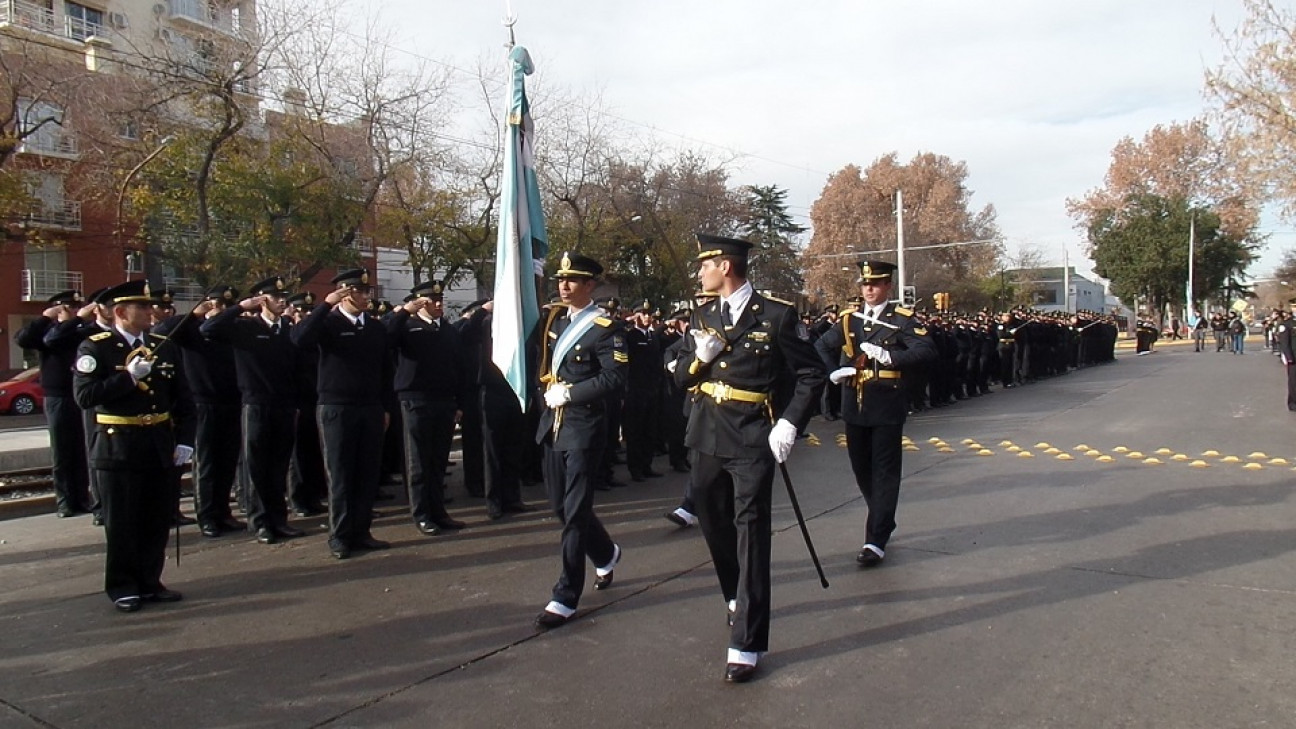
(900, 249)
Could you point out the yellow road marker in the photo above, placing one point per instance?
(1257, 454)
(1277, 461)
(1164, 451)
(1230, 459)
(1152, 461)
(1025, 454)
(1199, 464)
(1093, 452)
(1179, 457)
(1253, 467)
(1133, 454)
(1210, 454)
(1065, 457)
(985, 452)
(1105, 459)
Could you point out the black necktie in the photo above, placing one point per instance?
(274, 329)
(726, 317)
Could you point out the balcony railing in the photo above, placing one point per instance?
(41, 19)
(29, 16)
(201, 12)
(51, 142)
(184, 289)
(61, 214)
(40, 285)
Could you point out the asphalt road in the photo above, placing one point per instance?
(1019, 591)
(19, 422)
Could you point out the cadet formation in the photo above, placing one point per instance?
(286, 405)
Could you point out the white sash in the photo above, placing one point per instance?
(571, 335)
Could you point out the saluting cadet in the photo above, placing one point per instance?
(642, 394)
(264, 357)
(213, 382)
(868, 353)
(62, 416)
(742, 348)
(307, 484)
(143, 427)
(583, 357)
(1283, 339)
(353, 354)
(431, 384)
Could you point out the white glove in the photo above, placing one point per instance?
(671, 365)
(139, 368)
(707, 346)
(876, 353)
(837, 376)
(781, 439)
(182, 454)
(557, 395)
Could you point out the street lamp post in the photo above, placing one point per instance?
(121, 192)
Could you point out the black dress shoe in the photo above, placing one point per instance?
(162, 595)
(372, 544)
(680, 467)
(128, 604)
(518, 507)
(651, 473)
(739, 673)
(429, 528)
(265, 535)
(449, 524)
(287, 532)
(211, 531)
(65, 513)
(494, 512)
(638, 477)
(547, 620)
(340, 552)
(182, 520)
(309, 509)
(868, 558)
(97, 520)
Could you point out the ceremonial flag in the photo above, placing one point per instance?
(522, 244)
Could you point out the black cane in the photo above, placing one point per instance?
(796, 508)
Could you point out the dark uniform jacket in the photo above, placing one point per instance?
(209, 366)
(432, 361)
(881, 400)
(102, 383)
(265, 361)
(55, 362)
(352, 359)
(594, 366)
(767, 349)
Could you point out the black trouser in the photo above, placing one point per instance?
(138, 506)
(429, 431)
(674, 426)
(308, 486)
(470, 439)
(733, 498)
(640, 424)
(1291, 386)
(352, 438)
(88, 426)
(875, 456)
(504, 428)
(268, 434)
(217, 442)
(67, 445)
(571, 494)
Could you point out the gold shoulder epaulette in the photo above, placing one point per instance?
(781, 301)
(100, 336)
(603, 321)
(903, 311)
(847, 312)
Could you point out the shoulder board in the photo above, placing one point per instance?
(780, 301)
(100, 336)
(903, 311)
(558, 305)
(603, 321)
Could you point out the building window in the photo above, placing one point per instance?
(129, 129)
(83, 22)
(40, 125)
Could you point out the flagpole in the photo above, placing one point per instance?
(1192, 234)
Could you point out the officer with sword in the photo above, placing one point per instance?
(868, 353)
(741, 350)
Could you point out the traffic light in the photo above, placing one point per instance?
(941, 299)
(909, 297)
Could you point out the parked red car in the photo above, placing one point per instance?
(23, 395)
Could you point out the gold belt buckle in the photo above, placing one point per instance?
(146, 419)
(866, 375)
(720, 392)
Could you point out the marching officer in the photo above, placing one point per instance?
(264, 357)
(353, 378)
(143, 427)
(868, 354)
(742, 348)
(583, 358)
(63, 417)
(431, 384)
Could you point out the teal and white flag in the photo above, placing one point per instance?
(522, 245)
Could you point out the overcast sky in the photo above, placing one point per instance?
(1031, 94)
